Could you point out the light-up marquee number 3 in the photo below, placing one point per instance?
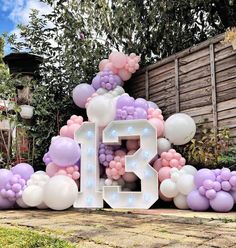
(138, 163)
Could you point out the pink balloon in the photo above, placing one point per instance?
(51, 169)
(157, 164)
(102, 64)
(158, 125)
(64, 132)
(120, 153)
(164, 173)
(75, 175)
(174, 163)
(124, 74)
(111, 67)
(132, 145)
(118, 59)
(129, 177)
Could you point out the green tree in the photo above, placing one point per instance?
(76, 35)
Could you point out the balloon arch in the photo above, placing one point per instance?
(125, 143)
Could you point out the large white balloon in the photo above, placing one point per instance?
(33, 195)
(180, 128)
(101, 110)
(168, 188)
(180, 201)
(60, 192)
(185, 184)
(21, 203)
(163, 145)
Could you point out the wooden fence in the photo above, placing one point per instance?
(199, 81)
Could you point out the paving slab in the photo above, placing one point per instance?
(109, 228)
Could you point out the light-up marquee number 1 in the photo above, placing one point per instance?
(90, 197)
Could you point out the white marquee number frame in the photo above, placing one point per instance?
(138, 163)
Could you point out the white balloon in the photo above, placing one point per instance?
(101, 110)
(168, 188)
(163, 145)
(21, 203)
(152, 105)
(189, 169)
(108, 182)
(180, 201)
(185, 184)
(32, 195)
(39, 179)
(180, 128)
(60, 192)
(101, 91)
(175, 176)
(119, 90)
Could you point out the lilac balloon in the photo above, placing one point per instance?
(81, 93)
(232, 181)
(5, 176)
(217, 172)
(140, 113)
(203, 175)
(233, 173)
(197, 202)
(202, 190)
(46, 159)
(152, 105)
(24, 170)
(208, 184)
(124, 101)
(64, 152)
(5, 203)
(223, 202)
(141, 103)
(225, 174)
(211, 194)
(219, 179)
(225, 185)
(233, 194)
(217, 186)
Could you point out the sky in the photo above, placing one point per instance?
(13, 12)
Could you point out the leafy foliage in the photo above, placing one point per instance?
(207, 148)
(76, 35)
(228, 158)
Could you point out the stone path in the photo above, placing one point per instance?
(125, 229)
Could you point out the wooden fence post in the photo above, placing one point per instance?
(177, 108)
(146, 85)
(213, 87)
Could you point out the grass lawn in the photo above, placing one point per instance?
(15, 237)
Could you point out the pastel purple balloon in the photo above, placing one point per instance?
(141, 103)
(197, 202)
(225, 174)
(46, 159)
(208, 184)
(203, 175)
(140, 113)
(202, 190)
(64, 152)
(232, 181)
(217, 172)
(23, 169)
(233, 194)
(81, 93)
(5, 203)
(223, 202)
(219, 179)
(211, 194)
(5, 176)
(225, 185)
(217, 186)
(124, 101)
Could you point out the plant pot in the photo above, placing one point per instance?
(26, 111)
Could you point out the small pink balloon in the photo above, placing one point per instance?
(64, 132)
(75, 175)
(177, 156)
(118, 165)
(124, 74)
(157, 165)
(111, 67)
(130, 177)
(169, 156)
(158, 125)
(70, 169)
(182, 161)
(62, 172)
(102, 64)
(165, 163)
(120, 153)
(164, 173)
(114, 172)
(174, 163)
(51, 169)
(163, 155)
(108, 172)
(118, 59)
(112, 164)
(72, 129)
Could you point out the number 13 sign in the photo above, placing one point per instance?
(138, 163)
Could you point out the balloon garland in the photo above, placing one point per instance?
(105, 101)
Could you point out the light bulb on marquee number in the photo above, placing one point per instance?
(138, 163)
